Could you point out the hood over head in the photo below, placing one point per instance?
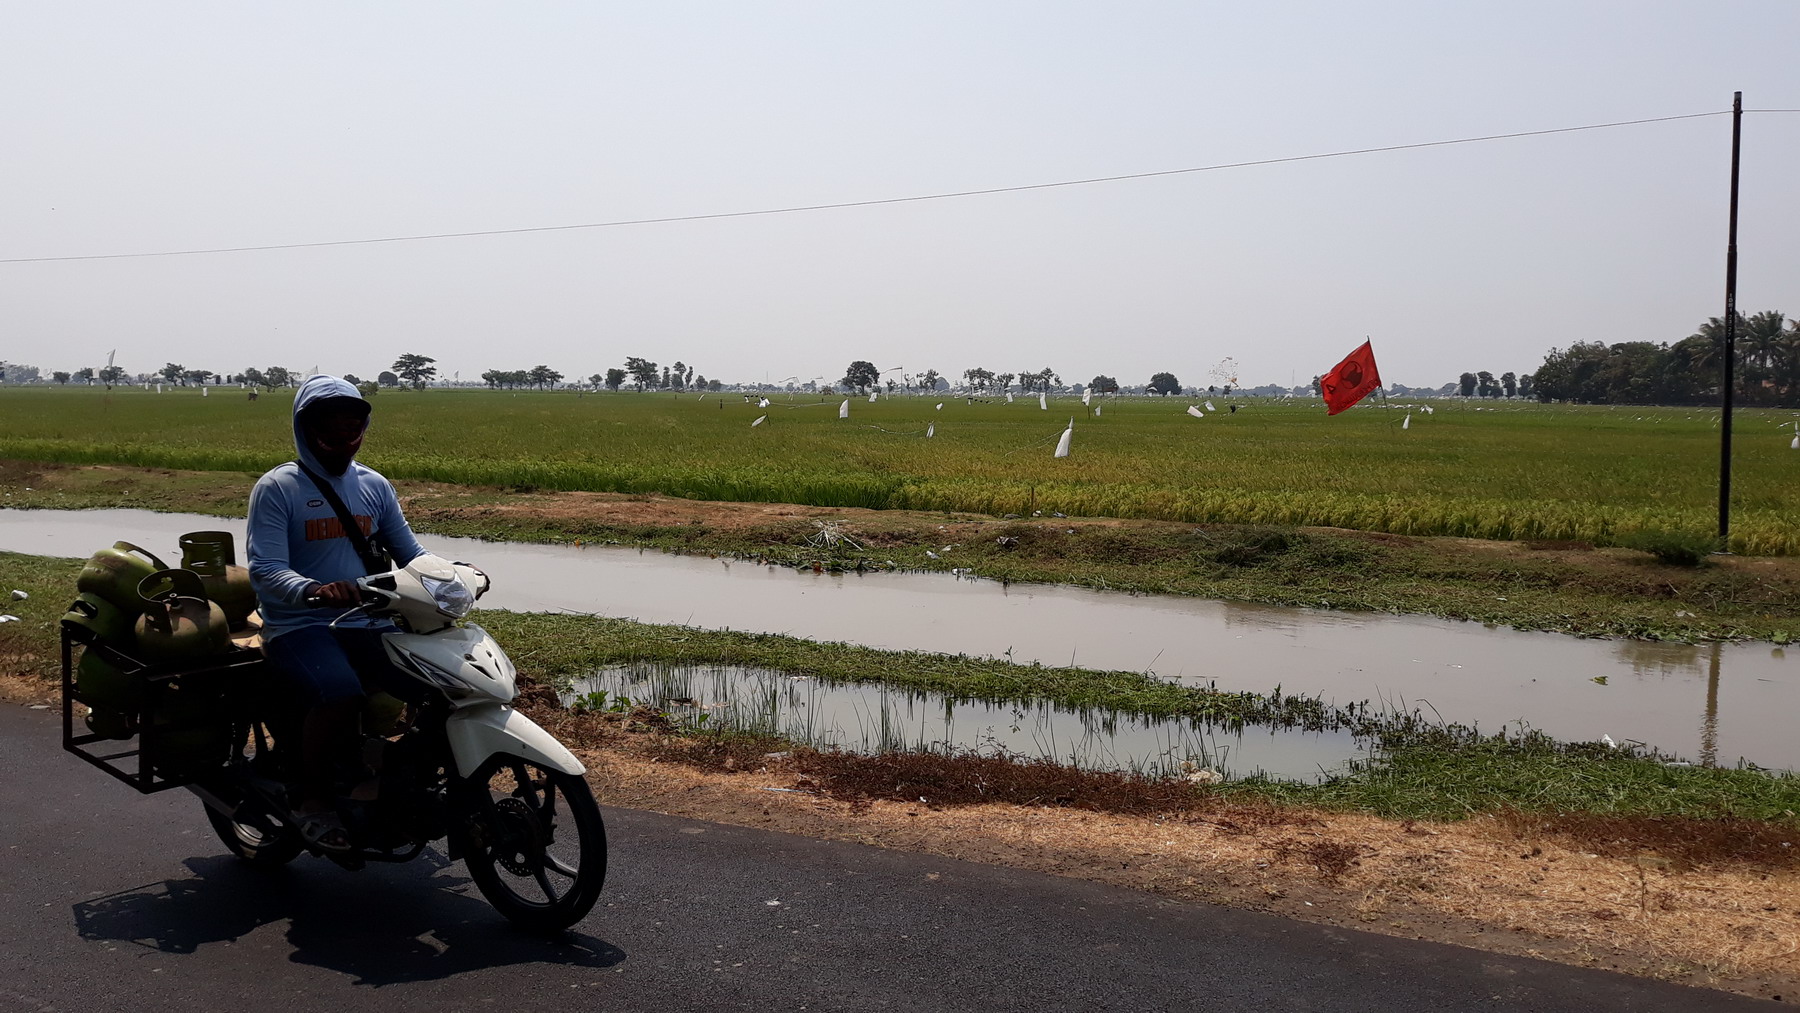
(314, 389)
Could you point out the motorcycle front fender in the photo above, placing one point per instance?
(476, 733)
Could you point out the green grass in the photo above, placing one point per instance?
(1452, 779)
(1560, 587)
(1429, 771)
(31, 645)
(1513, 471)
(559, 648)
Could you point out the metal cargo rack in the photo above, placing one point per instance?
(150, 775)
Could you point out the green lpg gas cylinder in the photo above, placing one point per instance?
(206, 551)
(104, 686)
(231, 591)
(110, 724)
(188, 744)
(178, 622)
(212, 555)
(114, 574)
(93, 617)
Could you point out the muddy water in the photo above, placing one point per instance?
(1712, 702)
(865, 718)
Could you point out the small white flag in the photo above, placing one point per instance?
(940, 406)
(1062, 445)
(1096, 413)
(203, 392)
(1087, 396)
(1209, 407)
(764, 403)
(1195, 411)
(1042, 404)
(1009, 397)
(1407, 422)
(758, 422)
(931, 430)
(871, 397)
(844, 409)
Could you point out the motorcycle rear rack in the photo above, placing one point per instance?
(116, 756)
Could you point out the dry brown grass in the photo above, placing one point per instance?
(21, 656)
(1682, 843)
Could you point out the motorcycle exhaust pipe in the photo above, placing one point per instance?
(214, 802)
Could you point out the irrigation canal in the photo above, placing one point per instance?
(872, 718)
(1706, 703)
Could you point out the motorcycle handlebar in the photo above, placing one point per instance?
(371, 598)
(317, 602)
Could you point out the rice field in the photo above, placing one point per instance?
(1488, 470)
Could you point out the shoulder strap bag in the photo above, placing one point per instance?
(374, 560)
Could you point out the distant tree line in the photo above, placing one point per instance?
(1483, 384)
(537, 377)
(861, 376)
(644, 375)
(1690, 371)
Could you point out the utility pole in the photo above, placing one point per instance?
(1737, 130)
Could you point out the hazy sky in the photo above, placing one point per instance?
(134, 127)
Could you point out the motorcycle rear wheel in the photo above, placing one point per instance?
(534, 842)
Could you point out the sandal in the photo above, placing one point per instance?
(323, 830)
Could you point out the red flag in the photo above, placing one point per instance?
(1349, 381)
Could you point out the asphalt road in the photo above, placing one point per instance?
(114, 901)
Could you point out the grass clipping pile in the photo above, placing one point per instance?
(1714, 904)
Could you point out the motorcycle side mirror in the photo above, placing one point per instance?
(484, 584)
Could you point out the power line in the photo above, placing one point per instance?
(880, 201)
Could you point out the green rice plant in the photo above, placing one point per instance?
(1512, 471)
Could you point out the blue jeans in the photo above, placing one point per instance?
(319, 665)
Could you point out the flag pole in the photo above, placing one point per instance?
(1737, 125)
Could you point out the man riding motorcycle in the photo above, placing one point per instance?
(313, 530)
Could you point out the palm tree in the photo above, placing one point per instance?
(1787, 360)
(1760, 338)
(1709, 340)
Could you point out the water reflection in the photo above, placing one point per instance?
(871, 718)
(1655, 658)
(1709, 725)
(1263, 619)
(1666, 695)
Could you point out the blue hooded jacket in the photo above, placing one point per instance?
(296, 541)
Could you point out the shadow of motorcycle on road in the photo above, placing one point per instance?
(410, 923)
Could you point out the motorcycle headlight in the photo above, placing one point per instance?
(452, 596)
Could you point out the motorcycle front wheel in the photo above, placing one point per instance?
(534, 842)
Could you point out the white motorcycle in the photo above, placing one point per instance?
(458, 762)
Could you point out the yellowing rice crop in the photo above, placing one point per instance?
(1506, 471)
